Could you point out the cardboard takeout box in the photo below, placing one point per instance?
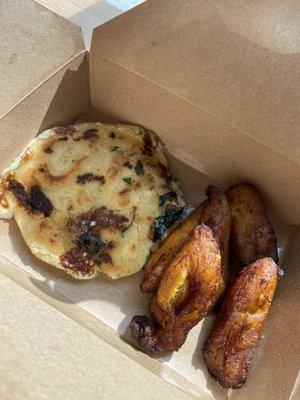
(218, 82)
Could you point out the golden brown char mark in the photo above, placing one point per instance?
(187, 291)
(238, 326)
(216, 215)
(252, 235)
(214, 212)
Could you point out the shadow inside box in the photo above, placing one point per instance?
(70, 100)
(93, 295)
(198, 362)
(196, 358)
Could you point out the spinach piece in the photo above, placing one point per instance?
(163, 223)
(139, 168)
(141, 130)
(115, 148)
(128, 180)
(174, 179)
(88, 242)
(125, 229)
(167, 196)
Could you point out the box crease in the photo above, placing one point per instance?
(41, 83)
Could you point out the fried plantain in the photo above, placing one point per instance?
(252, 235)
(238, 326)
(215, 213)
(187, 291)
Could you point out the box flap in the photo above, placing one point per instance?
(47, 355)
(235, 60)
(35, 42)
(196, 137)
(60, 99)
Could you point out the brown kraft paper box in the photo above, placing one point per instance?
(218, 82)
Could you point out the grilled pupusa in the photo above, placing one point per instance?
(92, 198)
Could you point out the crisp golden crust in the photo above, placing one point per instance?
(188, 289)
(238, 326)
(216, 215)
(252, 235)
(87, 197)
(213, 212)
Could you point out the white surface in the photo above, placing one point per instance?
(89, 13)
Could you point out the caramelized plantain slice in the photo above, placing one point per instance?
(188, 289)
(215, 213)
(238, 326)
(170, 246)
(252, 235)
